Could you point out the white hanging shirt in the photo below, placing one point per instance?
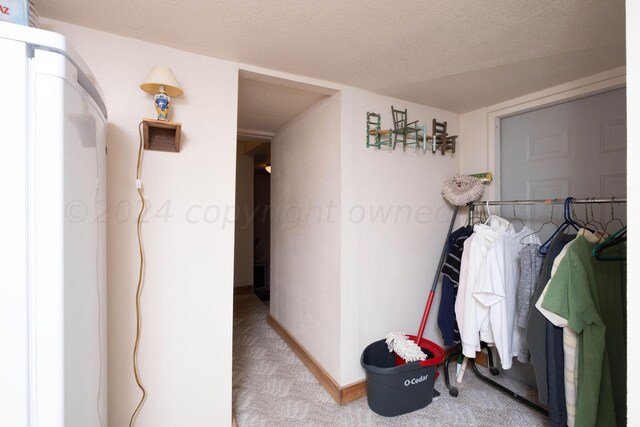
(495, 292)
(470, 322)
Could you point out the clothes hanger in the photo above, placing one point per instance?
(515, 217)
(575, 218)
(468, 222)
(613, 217)
(586, 215)
(551, 221)
(592, 221)
(477, 215)
(613, 240)
(491, 216)
(568, 222)
(472, 217)
(579, 222)
(593, 217)
(622, 237)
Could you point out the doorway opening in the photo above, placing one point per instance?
(267, 157)
(253, 217)
(266, 105)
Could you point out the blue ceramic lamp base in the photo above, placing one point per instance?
(162, 102)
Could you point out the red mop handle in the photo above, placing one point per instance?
(425, 315)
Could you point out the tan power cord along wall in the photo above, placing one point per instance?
(139, 287)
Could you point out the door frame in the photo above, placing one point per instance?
(592, 85)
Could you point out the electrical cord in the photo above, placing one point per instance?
(139, 287)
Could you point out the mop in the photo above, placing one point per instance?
(459, 191)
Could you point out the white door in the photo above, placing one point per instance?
(575, 149)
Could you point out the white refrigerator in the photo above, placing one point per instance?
(53, 276)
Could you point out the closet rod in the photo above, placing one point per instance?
(549, 201)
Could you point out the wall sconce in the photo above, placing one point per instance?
(161, 134)
(162, 84)
(268, 167)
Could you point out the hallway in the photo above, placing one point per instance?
(271, 387)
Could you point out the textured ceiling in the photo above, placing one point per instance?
(265, 106)
(453, 54)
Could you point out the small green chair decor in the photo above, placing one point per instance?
(409, 133)
(404, 132)
(381, 137)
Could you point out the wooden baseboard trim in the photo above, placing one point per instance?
(342, 395)
(242, 290)
(482, 359)
(353, 391)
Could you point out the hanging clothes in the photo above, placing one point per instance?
(475, 250)
(486, 303)
(562, 407)
(530, 266)
(450, 278)
(561, 365)
(588, 294)
(536, 331)
(485, 280)
(495, 290)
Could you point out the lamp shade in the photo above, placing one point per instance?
(161, 76)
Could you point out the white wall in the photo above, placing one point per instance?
(388, 265)
(473, 131)
(243, 257)
(341, 280)
(185, 349)
(305, 230)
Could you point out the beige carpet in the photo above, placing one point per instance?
(271, 387)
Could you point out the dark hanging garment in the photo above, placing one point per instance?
(536, 333)
(555, 376)
(450, 276)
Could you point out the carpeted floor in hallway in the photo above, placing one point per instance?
(271, 387)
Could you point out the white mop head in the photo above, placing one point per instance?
(462, 189)
(404, 347)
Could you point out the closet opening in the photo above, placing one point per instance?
(572, 149)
